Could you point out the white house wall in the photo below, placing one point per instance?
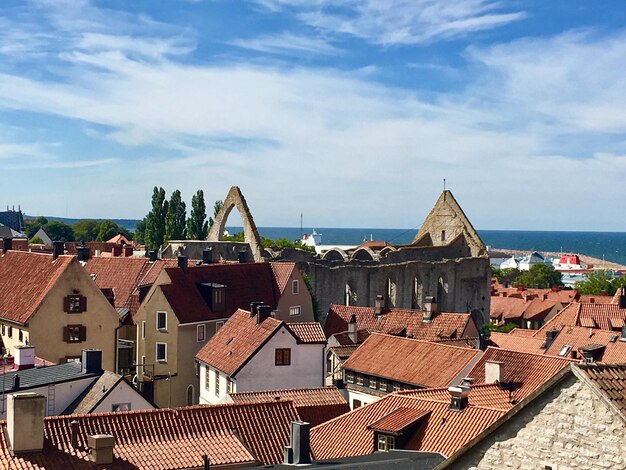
(123, 393)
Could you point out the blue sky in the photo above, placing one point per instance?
(350, 111)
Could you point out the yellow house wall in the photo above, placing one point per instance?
(45, 328)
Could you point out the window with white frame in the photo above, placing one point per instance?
(386, 443)
(207, 378)
(295, 311)
(161, 352)
(161, 321)
(217, 384)
(201, 333)
(295, 286)
(143, 329)
(229, 386)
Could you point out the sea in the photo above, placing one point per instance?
(610, 246)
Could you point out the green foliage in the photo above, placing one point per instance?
(282, 243)
(176, 218)
(36, 241)
(107, 229)
(197, 226)
(155, 221)
(59, 231)
(31, 227)
(237, 237)
(539, 275)
(41, 220)
(599, 281)
(86, 230)
(316, 306)
(140, 231)
(487, 327)
(217, 207)
(505, 275)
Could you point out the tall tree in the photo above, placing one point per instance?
(59, 231)
(107, 229)
(155, 221)
(140, 231)
(197, 225)
(217, 207)
(541, 276)
(86, 230)
(176, 218)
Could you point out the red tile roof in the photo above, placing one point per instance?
(507, 308)
(343, 352)
(410, 361)
(564, 296)
(25, 280)
(398, 420)
(393, 321)
(538, 309)
(577, 337)
(282, 274)
(443, 430)
(601, 314)
(611, 380)
(166, 438)
(314, 405)
(521, 373)
(307, 332)
(245, 283)
(344, 338)
(597, 299)
(517, 342)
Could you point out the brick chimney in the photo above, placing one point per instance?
(207, 256)
(25, 413)
(493, 372)
(152, 256)
(352, 334)
(7, 244)
(116, 250)
(24, 357)
(128, 250)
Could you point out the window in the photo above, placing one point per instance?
(386, 443)
(229, 386)
(143, 329)
(161, 352)
(161, 321)
(190, 395)
(207, 378)
(218, 325)
(120, 407)
(294, 311)
(10, 332)
(217, 384)
(443, 235)
(356, 403)
(74, 334)
(3, 330)
(382, 385)
(373, 382)
(75, 304)
(200, 333)
(350, 377)
(359, 379)
(295, 286)
(283, 357)
(20, 335)
(397, 387)
(565, 349)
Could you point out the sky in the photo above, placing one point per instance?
(351, 112)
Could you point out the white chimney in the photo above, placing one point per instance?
(24, 357)
(101, 448)
(25, 413)
(352, 334)
(430, 307)
(493, 372)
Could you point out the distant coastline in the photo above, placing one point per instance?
(589, 260)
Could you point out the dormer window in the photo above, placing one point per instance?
(386, 443)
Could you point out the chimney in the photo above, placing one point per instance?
(24, 357)
(263, 312)
(16, 382)
(207, 256)
(57, 249)
(623, 337)
(622, 298)
(603, 293)
(91, 361)
(253, 308)
(25, 422)
(128, 250)
(101, 448)
(592, 300)
(243, 256)
(74, 435)
(182, 263)
(378, 305)
(298, 451)
(352, 329)
(544, 296)
(550, 336)
(430, 307)
(458, 397)
(152, 256)
(82, 253)
(483, 341)
(7, 244)
(493, 372)
(116, 250)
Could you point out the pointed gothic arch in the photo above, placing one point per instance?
(234, 199)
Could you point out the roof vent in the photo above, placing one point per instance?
(458, 397)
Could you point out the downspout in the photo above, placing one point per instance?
(116, 339)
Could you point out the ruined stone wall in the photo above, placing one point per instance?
(569, 427)
(466, 283)
(192, 249)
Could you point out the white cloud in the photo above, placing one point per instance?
(288, 44)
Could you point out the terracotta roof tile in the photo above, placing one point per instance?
(442, 325)
(443, 430)
(92, 395)
(507, 308)
(307, 332)
(237, 341)
(398, 420)
(344, 338)
(566, 317)
(601, 314)
(596, 299)
(314, 405)
(611, 380)
(576, 337)
(410, 361)
(517, 342)
(343, 352)
(521, 373)
(282, 274)
(25, 279)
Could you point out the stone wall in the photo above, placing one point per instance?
(569, 427)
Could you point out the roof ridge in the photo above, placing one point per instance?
(420, 340)
(495, 348)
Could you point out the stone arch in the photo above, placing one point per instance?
(385, 251)
(417, 297)
(364, 254)
(234, 199)
(350, 296)
(190, 395)
(442, 292)
(390, 292)
(335, 254)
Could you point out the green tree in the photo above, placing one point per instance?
(86, 230)
(36, 241)
(176, 218)
(505, 275)
(31, 227)
(41, 220)
(140, 231)
(155, 221)
(597, 282)
(107, 229)
(217, 207)
(59, 231)
(540, 275)
(197, 225)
